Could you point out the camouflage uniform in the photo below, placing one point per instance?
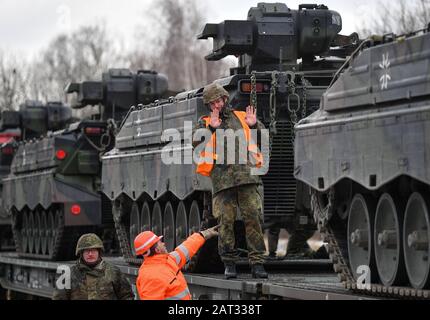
(235, 188)
(101, 282)
(225, 205)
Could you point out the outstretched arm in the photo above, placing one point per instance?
(189, 247)
(184, 252)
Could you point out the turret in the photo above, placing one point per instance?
(274, 36)
(35, 118)
(118, 90)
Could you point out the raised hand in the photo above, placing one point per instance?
(215, 120)
(251, 116)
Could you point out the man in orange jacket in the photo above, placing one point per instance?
(160, 276)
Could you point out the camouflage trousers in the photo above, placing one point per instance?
(226, 205)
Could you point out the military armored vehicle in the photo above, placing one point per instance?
(364, 154)
(7, 150)
(32, 120)
(287, 59)
(53, 189)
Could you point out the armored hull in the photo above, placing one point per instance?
(52, 190)
(33, 119)
(7, 149)
(365, 156)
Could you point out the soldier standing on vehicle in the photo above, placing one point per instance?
(234, 187)
(92, 278)
(160, 276)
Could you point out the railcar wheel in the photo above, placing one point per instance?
(37, 230)
(157, 220)
(50, 232)
(360, 233)
(31, 232)
(416, 237)
(57, 230)
(24, 231)
(145, 217)
(134, 225)
(388, 241)
(194, 218)
(169, 227)
(194, 223)
(181, 223)
(44, 233)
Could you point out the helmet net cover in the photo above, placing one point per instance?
(89, 241)
(213, 92)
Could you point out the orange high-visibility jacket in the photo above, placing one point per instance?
(208, 156)
(160, 276)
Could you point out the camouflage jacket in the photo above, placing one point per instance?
(224, 175)
(104, 282)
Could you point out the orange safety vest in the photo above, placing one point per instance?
(160, 276)
(209, 155)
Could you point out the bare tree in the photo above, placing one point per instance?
(398, 16)
(12, 83)
(171, 45)
(82, 55)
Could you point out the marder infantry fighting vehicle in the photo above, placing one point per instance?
(53, 189)
(32, 120)
(365, 155)
(170, 198)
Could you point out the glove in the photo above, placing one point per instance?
(210, 233)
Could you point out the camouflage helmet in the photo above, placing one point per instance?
(88, 241)
(213, 92)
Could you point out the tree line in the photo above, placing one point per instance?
(169, 46)
(166, 43)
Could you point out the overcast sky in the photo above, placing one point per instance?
(26, 26)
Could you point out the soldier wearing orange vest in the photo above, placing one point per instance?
(160, 276)
(234, 185)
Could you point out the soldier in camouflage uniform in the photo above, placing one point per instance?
(234, 187)
(92, 278)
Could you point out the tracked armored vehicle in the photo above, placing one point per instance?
(53, 190)
(170, 198)
(365, 155)
(32, 120)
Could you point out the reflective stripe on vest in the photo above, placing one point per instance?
(252, 146)
(181, 295)
(207, 157)
(185, 251)
(176, 256)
